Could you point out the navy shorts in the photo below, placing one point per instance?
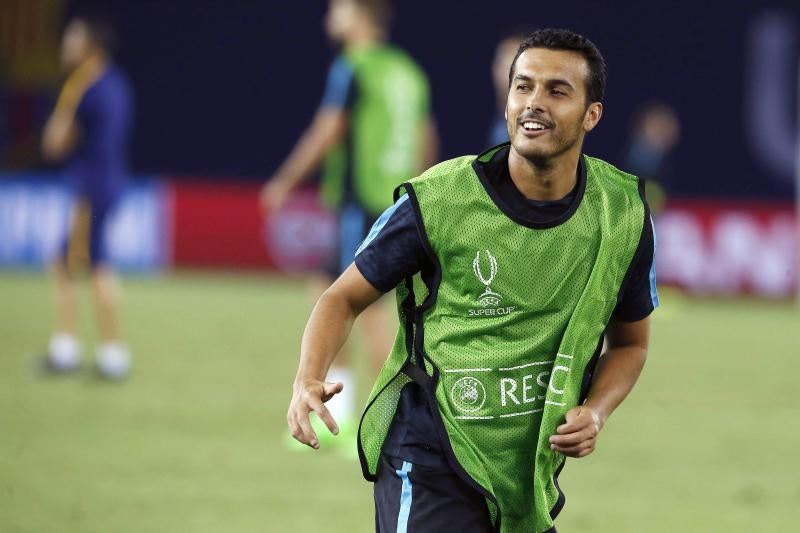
(354, 225)
(421, 499)
(84, 248)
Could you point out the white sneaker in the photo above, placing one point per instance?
(113, 360)
(63, 353)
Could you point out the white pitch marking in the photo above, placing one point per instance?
(564, 355)
(523, 413)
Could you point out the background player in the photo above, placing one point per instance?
(503, 56)
(656, 131)
(89, 131)
(373, 130)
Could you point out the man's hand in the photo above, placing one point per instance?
(307, 397)
(578, 436)
(274, 195)
(59, 137)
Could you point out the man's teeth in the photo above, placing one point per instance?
(533, 126)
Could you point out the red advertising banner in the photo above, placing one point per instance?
(221, 226)
(217, 225)
(711, 247)
(728, 247)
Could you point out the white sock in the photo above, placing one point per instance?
(343, 405)
(64, 351)
(113, 359)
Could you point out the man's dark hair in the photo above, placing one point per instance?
(100, 31)
(555, 39)
(379, 10)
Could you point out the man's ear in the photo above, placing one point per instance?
(592, 116)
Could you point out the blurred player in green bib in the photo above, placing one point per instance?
(372, 131)
(512, 268)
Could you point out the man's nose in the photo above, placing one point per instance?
(534, 102)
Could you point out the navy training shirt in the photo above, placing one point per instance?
(98, 169)
(393, 250)
(341, 92)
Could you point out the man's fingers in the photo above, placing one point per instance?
(581, 449)
(577, 419)
(330, 389)
(571, 439)
(291, 421)
(575, 426)
(307, 432)
(311, 398)
(573, 421)
(325, 416)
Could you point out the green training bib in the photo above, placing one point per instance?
(506, 338)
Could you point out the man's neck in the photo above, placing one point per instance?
(94, 64)
(365, 37)
(552, 180)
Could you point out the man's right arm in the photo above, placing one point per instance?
(391, 252)
(327, 329)
(328, 128)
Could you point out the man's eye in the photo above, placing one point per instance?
(522, 87)
(559, 93)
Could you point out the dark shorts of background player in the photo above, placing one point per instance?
(354, 225)
(83, 249)
(420, 499)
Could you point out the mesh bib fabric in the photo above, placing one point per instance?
(505, 339)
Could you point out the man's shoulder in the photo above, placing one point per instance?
(597, 166)
(619, 188)
(386, 57)
(450, 169)
(113, 85)
(343, 64)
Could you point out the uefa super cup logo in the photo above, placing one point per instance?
(488, 297)
(468, 394)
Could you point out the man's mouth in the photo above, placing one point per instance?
(534, 125)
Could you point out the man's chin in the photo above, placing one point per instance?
(532, 153)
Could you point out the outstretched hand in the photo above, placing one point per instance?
(577, 437)
(273, 195)
(307, 397)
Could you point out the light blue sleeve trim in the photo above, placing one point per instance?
(653, 288)
(380, 223)
(337, 88)
(352, 224)
(405, 498)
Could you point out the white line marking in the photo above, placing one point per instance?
(523, 413)
(548, 402)
(525, 365)
(563, 355)
(468, 370)
(474, 418)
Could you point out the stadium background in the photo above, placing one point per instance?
(214, 307)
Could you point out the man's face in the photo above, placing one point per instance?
(342, 16)
(546, 111)
(76, 44)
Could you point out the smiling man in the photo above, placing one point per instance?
(511, 269)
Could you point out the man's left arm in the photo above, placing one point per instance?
(61, 130)
(616, 373)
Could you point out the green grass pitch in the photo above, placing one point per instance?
(709, 440)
